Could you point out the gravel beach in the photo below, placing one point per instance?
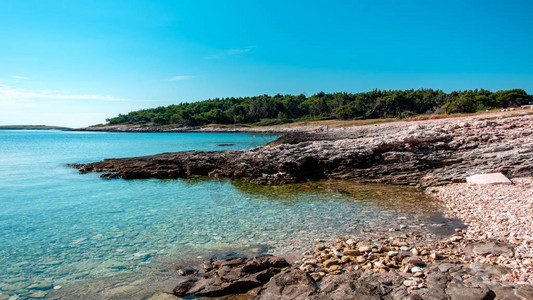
(499, 212)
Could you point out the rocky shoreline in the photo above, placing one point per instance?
(419, 154)
(491, 259)
(214, 129)
(397, 267)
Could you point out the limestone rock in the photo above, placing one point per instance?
(491, 247)
(458, 291)
(384, 154)
(231, 276)
(492, 178)
(292, 284)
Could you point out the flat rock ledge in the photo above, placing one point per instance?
(419, 154)
(270, 277)
(396, 265)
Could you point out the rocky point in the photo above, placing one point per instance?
(418, 154)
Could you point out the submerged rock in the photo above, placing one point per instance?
(43, 286)
(37, 294)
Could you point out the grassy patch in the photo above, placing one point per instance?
(271, 122)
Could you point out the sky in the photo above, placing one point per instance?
(76, 63)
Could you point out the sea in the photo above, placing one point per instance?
(64, 235)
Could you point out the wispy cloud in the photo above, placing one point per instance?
(231, 52)
(181, 77)
(19, 77)
(9, 93)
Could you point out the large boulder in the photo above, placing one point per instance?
(231, 276)
(291, 284)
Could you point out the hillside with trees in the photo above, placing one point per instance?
(269, 110)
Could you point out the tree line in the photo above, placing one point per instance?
(268, 110)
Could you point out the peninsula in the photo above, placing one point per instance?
(423, 153)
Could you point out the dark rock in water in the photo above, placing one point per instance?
(232, 276)
(187, 271)
(207, 266)
(224, 145)
(292, 284)
(258, 264)
(229, 262)
(230, 273)
(400, 153)
(183, 287)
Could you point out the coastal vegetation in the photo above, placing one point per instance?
(268, 110)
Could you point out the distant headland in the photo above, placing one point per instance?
(32, 127)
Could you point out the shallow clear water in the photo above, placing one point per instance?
(65, 228)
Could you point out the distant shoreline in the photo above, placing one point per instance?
(33, 127)
(304, 126)
(214, 129)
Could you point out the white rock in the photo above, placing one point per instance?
(492, 178)
(392, 253)
(410, 283)
(365, 248)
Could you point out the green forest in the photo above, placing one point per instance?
(278, 109)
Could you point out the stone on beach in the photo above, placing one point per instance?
(415, 260)
(351, 252)
(492, 247)
(491, 178)
(232, 276)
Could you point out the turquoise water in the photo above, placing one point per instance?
(60, 229)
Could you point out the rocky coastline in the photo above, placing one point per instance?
(491, 259)
(418, 154)
(399, 266)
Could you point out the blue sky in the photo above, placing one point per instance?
(76, 63)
